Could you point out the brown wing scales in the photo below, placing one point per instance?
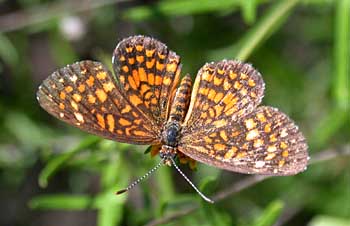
(85, 95)
(266, 141)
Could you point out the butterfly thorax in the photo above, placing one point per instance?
(170, 138)
(171, 134)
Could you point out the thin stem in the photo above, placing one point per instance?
(265, 27)
(24, 18)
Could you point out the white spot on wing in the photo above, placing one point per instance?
(74, 78)
(249, 124)
(284, 133)
(251, 135)
(259, 164)
(79, 117)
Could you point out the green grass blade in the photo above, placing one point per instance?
(249, 10)
(57, 162)
(270, 214)
(61, 202)
(341, 54)
(271, 21)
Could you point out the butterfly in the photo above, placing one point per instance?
(216, 120)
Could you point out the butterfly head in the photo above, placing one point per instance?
(166, 153)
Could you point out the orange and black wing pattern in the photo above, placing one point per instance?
(148, 74)
(222, 92)
(86, 95)
(130, 107)
(225, 128)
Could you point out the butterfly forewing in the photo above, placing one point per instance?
(265, 141)
(148, 74)
(86, 95)
(222, 92)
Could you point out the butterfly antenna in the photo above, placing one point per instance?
(190, 182)
(133, 184)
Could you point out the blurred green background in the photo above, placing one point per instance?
(53, 174)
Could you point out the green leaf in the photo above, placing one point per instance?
(342, 54)
(321, 220)
(110, 208)
(111, 214)
(8, 51)
(270, 214)
(148, 150)
(115, 175)
(59, 161)
(61, 202)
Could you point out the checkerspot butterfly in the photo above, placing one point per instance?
(218, 122)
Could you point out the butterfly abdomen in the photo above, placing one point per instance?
(181, 100)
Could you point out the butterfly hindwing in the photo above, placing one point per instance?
(265, 141)
(86, 95)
